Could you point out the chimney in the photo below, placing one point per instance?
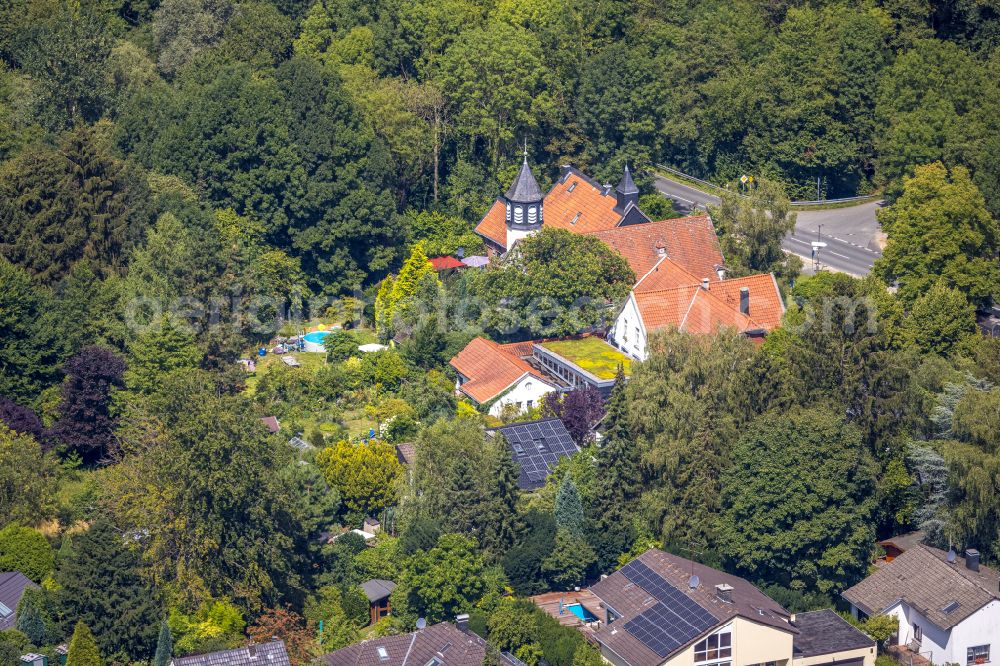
(661, 248)
(252, 651)
(724, 593)
(605, 189)
(745, 300)
(972, 559)
(704, 284)
(721, 272)
(462, 622)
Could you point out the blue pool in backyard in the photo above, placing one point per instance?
(313, 342)
(581, 612)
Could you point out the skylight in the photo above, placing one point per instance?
(951, 607)
(383, 654)
(5, 611)
(572, 186)
(576, 217)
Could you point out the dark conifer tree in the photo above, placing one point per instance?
(502, 527)
(102, 587)
(164, 646)
(30, 617)
(465, 515)
(569, 507)
(617, 461)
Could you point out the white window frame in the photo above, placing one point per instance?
(971, 656)
(720, 655)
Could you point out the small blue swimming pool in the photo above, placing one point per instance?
(313, 342)
(316, 336)
(581, 612)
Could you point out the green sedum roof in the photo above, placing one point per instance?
(592, 354)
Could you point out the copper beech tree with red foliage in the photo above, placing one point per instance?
(290, 627)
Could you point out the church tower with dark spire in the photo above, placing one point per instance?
(626, 192)
(523, 201)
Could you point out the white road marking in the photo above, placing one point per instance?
(837, 254)
(674, 196)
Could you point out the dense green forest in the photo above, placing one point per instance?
(180, 180)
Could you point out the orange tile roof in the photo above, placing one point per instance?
(489, 369)
(688, 241)
(494, 223)
(766, 305)
(689, 308)
(520, 349)
(576, 203)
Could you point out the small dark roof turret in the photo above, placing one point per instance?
(626, 185)
(525, 189)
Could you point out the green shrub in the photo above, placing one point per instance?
(26, 550)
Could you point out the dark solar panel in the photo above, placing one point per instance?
(537, 446)
(673, 621)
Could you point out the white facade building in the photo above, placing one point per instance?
(948, 606)
(628, 332)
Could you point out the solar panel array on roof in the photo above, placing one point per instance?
(536, 447)
(670, 623)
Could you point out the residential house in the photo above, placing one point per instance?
(378, 592)
(663, 609)
(678, 263)
(825, 639)
(442, 644)
(948, 606)
(261, 654)
(12, 587)
(576, 203)
(490, 375)
(521, 373)
(681, 283)
(536, 447)
(895, 546)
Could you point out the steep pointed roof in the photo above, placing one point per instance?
(626, 185)
(525, 188)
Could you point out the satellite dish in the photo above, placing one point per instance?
(421, 623)
(951, 556)
(694, 581)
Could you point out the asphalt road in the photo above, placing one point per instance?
(850, 233)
